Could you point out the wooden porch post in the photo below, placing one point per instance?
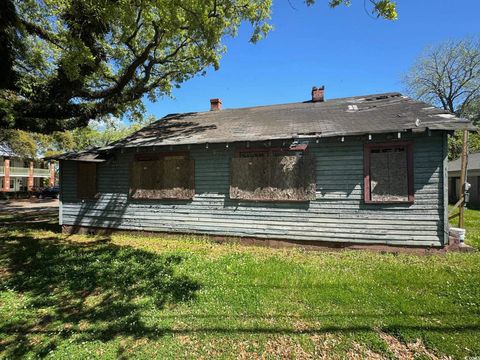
(6, 176)
(30, 177)
(463, 179)
(52, 173)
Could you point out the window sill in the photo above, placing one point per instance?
(132, 198)
(408, 202)
(271, 200)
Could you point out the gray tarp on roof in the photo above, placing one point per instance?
(473, 163)
(381, 113)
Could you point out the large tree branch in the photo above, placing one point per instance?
(107, 57)
(129, 72)
(471, 96)
(129, 39)
(46, 35)
(129, 75)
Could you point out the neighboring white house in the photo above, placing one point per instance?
(21, 174)
(473, 174)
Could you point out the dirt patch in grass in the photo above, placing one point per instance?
(409, 351)
(360, 352)
(284, 347)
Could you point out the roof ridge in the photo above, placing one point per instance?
(355, 115)
(390, 94)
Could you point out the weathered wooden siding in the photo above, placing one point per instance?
(337, 214)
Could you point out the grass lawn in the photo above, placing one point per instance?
(185, 297)
(472, 225)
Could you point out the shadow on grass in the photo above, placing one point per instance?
(32, 221)
(98, 291)
(83, 292)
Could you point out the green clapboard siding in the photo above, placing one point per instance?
(337, 214)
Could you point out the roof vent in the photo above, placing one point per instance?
(318, 94)
(215, 104)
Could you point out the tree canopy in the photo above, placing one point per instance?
(65, 62)
(97, 133)
(448, 75)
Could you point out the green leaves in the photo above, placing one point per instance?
(89, 58)
(455, 144)
(448, 76)
(70, 61)
(96, 134)
(20, 142)
(386, 9)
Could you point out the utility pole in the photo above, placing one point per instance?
(463, 179)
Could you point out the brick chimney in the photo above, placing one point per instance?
(215, 104)
(318, 94)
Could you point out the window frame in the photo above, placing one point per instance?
(367, 150)
(152, 156)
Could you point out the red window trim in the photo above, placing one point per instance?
(408, 146)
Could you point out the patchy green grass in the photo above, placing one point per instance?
(472, 225)
(185, 297)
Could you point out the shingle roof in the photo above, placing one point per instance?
(379, 113)
(473, 163)
(91, 155)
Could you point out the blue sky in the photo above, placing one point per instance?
(343, 48)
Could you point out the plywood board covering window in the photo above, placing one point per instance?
(388, 173)
(273, 176)
(163, 177)
(86, 180)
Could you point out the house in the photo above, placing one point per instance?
(18, 174)
(358, 170)
(473, 177)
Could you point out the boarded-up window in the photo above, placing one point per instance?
(273, 175)
(164, 176)
(388, 173)
(86, 180)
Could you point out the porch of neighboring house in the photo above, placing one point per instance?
(19, 175)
